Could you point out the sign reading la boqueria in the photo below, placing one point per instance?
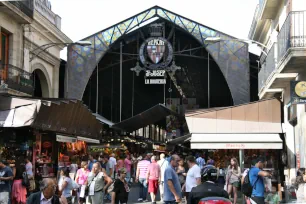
(298, 92)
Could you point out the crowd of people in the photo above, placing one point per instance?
(105, 178)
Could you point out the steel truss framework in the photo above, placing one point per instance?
(231, 56)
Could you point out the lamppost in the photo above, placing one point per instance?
(43, 48)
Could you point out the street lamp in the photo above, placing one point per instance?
(212, 40)
(47, 46)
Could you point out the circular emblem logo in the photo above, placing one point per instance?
(156, 53)
(300, 89)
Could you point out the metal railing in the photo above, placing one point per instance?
(25, 6)
(268, 67)
(16, 78)
(292, 33)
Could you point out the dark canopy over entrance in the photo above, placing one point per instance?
(231, 56)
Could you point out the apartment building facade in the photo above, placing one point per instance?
(31, 41)
(281, 26)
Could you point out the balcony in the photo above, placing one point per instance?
(287, 57)
(21, 11)
(269, 8)
(15, 81)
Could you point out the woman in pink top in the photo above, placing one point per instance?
(120, 163)
(153, 176)
(81, 178)
(128, 166)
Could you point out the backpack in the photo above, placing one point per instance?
(247, 187)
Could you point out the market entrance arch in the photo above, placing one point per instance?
(231, 56)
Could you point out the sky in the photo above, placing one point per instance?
(81, 18)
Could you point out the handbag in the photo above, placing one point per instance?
(25, 180)
(87, 186)
(111, 188)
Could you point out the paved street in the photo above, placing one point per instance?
(133, 196)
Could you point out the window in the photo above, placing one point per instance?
(4, 54)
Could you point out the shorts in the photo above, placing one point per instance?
(236, 184)
(153, 186)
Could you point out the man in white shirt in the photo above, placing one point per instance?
(193, 175)
(163, 164)
(113, 160)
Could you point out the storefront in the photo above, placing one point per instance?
(243, 132)
(57, 131)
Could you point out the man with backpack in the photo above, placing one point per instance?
(253, 185)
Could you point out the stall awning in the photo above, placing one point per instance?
(180, 140)
(257, 117)
(65, 116)
(236, 141)
(103, 120)
(88, 140)
(62, 138)
(145, 118)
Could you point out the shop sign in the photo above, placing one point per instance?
(61, 138)
(298, 92)
(47, 144)
(89, 140)
(155, 81)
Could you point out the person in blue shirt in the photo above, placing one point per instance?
(256, 175)
(91, 162)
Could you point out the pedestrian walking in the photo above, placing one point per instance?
(233, 178)
(172, 188)
(80, 179)
(301, 185)
(113, 163)
(6, 175)
(120, 163)
(29, 170)
(19, 192)
(46, 194)
(181, 172)
(109, 166)
(141, 177)
(153, 178)
(121, 189)
(97, 182)
(128, 167)
(163, 164)
(91, 162)
(193, 175)
(256, 175)
(200, 161)
(65, 184)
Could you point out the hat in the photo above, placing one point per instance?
(122, 170)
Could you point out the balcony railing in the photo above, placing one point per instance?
(16, 78)
(268, 67)
(292, 33)
(25, 6)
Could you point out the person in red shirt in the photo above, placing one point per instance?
(153, 176)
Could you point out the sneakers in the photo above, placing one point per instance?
(139, 199)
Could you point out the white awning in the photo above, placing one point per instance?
(89, 140)
(61, 138)
(236, 141)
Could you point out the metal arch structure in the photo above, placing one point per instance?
(231, 56)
